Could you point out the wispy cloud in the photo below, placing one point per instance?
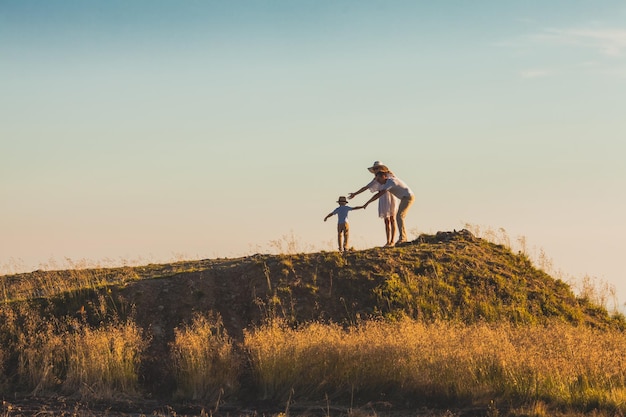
(608, 42)
(536, 73)
(615, 72)
(592, 49)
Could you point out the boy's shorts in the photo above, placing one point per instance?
(343, 227)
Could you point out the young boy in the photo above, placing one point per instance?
(343, 228)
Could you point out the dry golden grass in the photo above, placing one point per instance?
(558, 364)
(285, 359)
(206, 365)
(537, 370)
(40, 357)
(73, 358)
(42, 284)
(104, 363)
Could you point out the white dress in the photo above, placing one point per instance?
(387, 203)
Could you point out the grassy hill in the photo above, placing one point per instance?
(450, 277)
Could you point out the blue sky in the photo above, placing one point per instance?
(146, 131)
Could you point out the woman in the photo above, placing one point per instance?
(387, 203)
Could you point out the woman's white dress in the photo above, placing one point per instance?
(387, 203)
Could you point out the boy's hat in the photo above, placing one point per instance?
(342, 199)
(377, 166)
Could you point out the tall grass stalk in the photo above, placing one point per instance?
(206, 364)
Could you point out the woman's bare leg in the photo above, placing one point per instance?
(388, 231)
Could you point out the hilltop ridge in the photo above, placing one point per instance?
(446, 276)
(449, 276)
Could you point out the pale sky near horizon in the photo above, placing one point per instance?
(146, 131)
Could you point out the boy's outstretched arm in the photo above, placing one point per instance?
(327, 216)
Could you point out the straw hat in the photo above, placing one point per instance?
(342, 199)
(377, 166)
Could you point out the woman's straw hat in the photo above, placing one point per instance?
(377, 166)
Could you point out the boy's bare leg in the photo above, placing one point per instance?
(341, 233)
(339, 239)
